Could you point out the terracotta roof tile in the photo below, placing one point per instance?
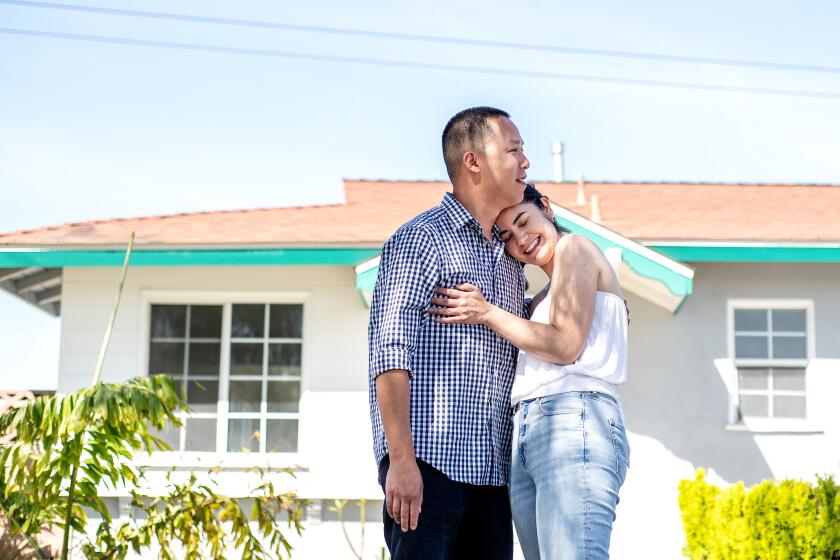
(374, 209)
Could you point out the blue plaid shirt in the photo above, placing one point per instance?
(460, 375)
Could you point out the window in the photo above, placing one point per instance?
(239, 366)
(264, 392)
(770, 346)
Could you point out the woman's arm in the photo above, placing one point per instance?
(574, 282)
(537, 299)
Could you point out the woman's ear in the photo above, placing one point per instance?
(549, 213)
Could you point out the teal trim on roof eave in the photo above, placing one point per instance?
(366, 281)
(186, 257)
(677, 284)
(711, 253)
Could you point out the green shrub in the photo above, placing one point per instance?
(771, 521)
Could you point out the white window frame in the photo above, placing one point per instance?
(226, 299)
(768, 424)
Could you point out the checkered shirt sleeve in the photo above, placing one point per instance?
(405, 284)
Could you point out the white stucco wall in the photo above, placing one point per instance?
(675, 401)
(335, 446)
(676, 404)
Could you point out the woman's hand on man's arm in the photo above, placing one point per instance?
(464, 305)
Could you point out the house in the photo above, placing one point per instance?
(734, 291)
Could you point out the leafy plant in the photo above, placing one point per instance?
(338, 507)
(772, 520)
(59, 451)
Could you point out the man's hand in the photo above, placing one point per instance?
(404, 493)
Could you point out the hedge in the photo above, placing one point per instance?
(785, 520)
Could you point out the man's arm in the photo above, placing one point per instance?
(408, 274)
(403, 484)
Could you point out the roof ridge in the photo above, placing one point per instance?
(407, 182)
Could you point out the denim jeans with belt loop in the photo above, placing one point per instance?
(569, 459)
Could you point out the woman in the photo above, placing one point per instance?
(570, 452)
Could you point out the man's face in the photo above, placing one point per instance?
(503, 162)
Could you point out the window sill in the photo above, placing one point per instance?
(224, 461)
(775, 427)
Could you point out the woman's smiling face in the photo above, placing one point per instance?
(528, 232)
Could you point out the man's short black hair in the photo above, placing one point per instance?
(466, 131)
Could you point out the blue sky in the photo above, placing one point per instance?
(92, 130)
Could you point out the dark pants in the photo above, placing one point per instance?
(457, 521)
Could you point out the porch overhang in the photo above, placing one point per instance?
(649, 274)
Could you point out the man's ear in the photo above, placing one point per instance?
(547, 205)
(471, 162)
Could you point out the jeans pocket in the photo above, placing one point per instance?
(622, 448)
(557, 404)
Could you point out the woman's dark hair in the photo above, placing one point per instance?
(535, 197)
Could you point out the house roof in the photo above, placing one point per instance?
(374, 209)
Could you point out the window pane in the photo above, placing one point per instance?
(286, 321)
(248, 321)
(246, 358)
(750, 319)
(752, 405)
(204, 358)
(206, 321)
(754, 379)
(243, 434)
(203, 396)
(166, 357)
(751, 347)
(283, 396)
(169, 321)
(180, 386)
(170, 434)
(282, 436)
(789, 320)
(789, 347)
(245, 396)
(789, 379)
(201, 434)
(284, 359)
(789, 407)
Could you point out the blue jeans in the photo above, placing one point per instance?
(570, 457)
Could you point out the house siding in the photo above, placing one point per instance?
(675, 401)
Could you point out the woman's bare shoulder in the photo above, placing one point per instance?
(576, 243)
(578, 252)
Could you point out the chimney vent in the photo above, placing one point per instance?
(596, 210)
(581, 197)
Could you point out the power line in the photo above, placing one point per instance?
(417, 65)
(661, 57)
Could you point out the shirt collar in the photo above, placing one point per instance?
(460, 217)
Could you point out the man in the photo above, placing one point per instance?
(439, 394)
